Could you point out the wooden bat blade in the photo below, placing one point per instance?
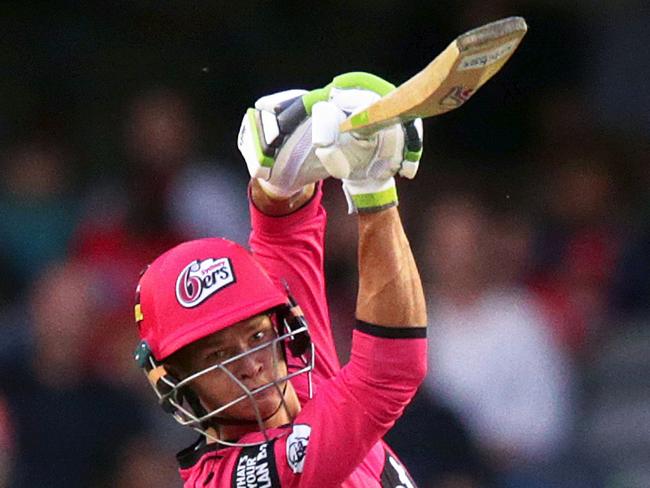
(448, 81)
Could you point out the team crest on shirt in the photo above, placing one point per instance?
(201, 279)
(297, 447)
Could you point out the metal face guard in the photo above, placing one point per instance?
(176, 397)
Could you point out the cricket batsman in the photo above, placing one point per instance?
(237, 344)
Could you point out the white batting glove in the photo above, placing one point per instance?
(275, 140)
(366, 166)
(372, 187)
(285, 149)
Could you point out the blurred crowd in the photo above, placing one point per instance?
(529, 222)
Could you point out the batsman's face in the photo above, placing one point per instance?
(232, 347)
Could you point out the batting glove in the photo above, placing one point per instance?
(366, 166)
(285, 149)
(372, 187)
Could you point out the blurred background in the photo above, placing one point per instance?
(529, 219)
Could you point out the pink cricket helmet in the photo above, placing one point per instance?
(198, 288)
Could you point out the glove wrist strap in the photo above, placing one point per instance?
(370, 195)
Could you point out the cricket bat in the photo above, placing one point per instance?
(448, 81)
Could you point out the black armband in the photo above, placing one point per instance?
(391, 332)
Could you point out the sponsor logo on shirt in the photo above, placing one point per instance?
(199, 280)
(297, 447)
(255, 468)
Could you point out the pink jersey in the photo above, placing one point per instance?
(335, 441)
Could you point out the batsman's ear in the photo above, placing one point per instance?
(173, 370)
(162, 382)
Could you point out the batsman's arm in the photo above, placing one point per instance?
(277, 206)
(390, 290)
(387, 359)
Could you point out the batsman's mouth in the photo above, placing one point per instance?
(271, 391)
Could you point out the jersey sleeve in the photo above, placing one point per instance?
(350, 413)
(291, 249)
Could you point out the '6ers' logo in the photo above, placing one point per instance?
(201, 279)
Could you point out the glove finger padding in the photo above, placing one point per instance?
(353, 99)
(296, 165)
(340, 154)
(260, 134)
(277, 102)
(367, 166)
(326, 118)
(275, 140)
(387, 157)
(372, 187)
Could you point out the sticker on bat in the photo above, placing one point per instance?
(486, 58)
(456, 97)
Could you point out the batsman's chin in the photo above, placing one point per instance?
(268, 402)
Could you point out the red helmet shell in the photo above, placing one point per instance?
(198, 288)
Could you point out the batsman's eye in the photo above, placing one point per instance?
(259, 335)
(217, 355)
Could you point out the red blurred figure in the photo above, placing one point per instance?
(578, 250)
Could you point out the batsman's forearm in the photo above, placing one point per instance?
(390, 289)
(279, 206)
